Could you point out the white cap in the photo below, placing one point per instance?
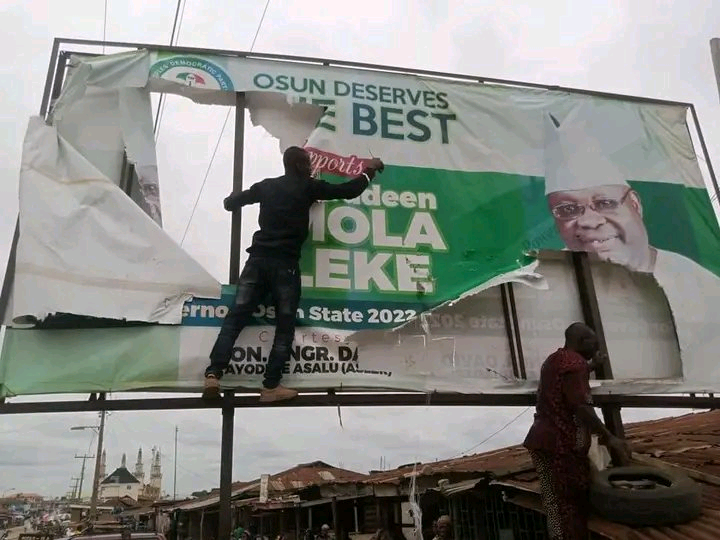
(579, 147)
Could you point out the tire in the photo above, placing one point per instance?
(677, 501)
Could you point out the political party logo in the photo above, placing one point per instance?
(192, 71)
(192, 79)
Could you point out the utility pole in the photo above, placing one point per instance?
(84, 457)
(175, 465)
(72, 493)
(96, 476)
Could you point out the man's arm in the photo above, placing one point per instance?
(577, 393)
(598, 362)
(324, 191)
(248, 196)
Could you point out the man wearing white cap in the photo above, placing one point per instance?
(590, 153)
(594, 207)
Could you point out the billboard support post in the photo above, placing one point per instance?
(516, 327)
(509, 327)
(706, 154)
(591, 314)
(228, 411)
(226, 456)
(238, 162)
(715, 55)
(49, 80)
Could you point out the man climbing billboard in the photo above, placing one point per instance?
(273, 264)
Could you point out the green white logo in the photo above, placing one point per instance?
(192, 71)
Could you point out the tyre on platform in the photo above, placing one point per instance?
(643, 496)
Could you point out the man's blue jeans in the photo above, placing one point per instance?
(259, 277)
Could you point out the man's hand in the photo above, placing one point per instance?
(227, 203)
(375, 164)
(599, 360)
(621, 448)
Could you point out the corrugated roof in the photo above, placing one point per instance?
(282, 484)
(692, 442)
(500, 462)
(305, 475)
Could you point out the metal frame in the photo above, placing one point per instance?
(228, 409)
(610, 403)
(591, 314)
(715, 57)
(352, 399)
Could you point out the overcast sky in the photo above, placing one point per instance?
(656, 49)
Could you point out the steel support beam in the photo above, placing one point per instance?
(591, 314)
(706, 154)
(45, 104)
(509, 329)
(226, 463)
(347, 399)
(516, 327)
(715, 55)
(238, 162)
(362, 65)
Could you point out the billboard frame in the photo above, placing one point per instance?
(610, 404)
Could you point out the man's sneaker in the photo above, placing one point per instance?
(279, 393)
(212, 387)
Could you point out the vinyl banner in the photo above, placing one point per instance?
(400, 284)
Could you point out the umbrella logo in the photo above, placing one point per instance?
(191, 79)
(195, 71)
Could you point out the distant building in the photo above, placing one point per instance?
(153, 489)
(122, 483)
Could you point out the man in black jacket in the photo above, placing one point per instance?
(273, 263)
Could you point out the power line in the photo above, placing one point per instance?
(174, 37)
(175, 21)
(486, 439)
(182, 18)
(262, 18)
(207, 173)
(222, 131)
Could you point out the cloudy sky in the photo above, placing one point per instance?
(657, 49)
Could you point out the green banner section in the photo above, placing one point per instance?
(404, 248)
(89, 360)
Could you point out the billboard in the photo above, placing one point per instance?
(400, 284)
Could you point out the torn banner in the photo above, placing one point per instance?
(478, 177)
(85, 248)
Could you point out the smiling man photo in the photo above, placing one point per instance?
(590, 153)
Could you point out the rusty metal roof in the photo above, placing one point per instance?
(281, 484)
(692, 442)
(305, 475)
(499, 462)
